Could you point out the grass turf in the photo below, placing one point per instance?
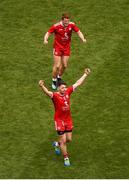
(100, 107)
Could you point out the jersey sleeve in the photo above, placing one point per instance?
(70, 90)
(53, 95)
(51, 29)
(75, 28)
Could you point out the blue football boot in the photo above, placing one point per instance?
(56, 147)
(66, 161)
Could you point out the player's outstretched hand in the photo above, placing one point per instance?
(84, 40)
(87, 71)
(41, 83)
(45, 42)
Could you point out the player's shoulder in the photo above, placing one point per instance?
(56, 94)
(57, 24)
(71, 23)
(69, 89)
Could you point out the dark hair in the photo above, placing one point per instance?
(61, 82)
(65, 15)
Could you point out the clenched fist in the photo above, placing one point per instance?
(87, 71)
(41, 83)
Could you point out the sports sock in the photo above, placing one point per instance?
(65, 156)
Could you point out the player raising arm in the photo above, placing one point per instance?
(78, 83)
(62, 116)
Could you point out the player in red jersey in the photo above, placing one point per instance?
(61, 47)
(62, 117)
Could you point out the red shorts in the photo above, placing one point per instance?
(57, 51)
(64, 125)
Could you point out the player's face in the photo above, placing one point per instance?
(62, 88)
(65, 22)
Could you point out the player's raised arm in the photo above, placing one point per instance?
(81, 36)
(45, 90)
(82, 79)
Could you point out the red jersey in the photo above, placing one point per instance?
(62, 105)
(63, 34)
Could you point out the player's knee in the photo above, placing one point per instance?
(63, 141)
(69, 139)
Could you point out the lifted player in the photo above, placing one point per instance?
(62, 117)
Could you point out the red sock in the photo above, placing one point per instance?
(65, 155)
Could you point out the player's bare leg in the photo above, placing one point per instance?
(64, 65)
(55, 72)
(60, 73)
(68, 136)
(63, 147)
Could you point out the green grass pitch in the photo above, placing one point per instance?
(100, 108)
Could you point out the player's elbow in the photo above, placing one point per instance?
(46, 35)
(79, 33)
